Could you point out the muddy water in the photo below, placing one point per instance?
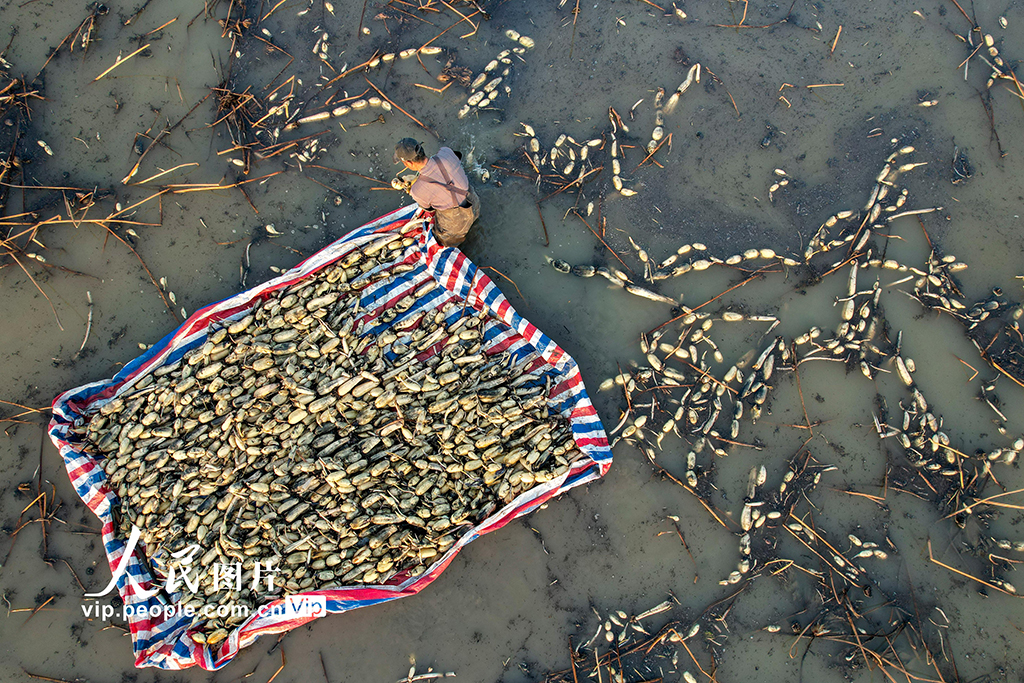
(508, 604)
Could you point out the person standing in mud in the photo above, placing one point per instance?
(441, 186)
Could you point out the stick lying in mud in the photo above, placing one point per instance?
(507, 278)
(88, 327)
(547, 240)
(119, 62)
(610, 250)
(655, 151)
(414, 119)
(973, 578)
(22, 266)
(47, 678)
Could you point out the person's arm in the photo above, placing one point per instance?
(416, 191)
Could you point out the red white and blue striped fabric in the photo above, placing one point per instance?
(165, 642)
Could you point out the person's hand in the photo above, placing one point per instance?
(402, 183)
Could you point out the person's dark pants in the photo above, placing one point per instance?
(452, 225)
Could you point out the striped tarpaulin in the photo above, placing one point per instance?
(165, 642)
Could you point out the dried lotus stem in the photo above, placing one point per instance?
(464, 18)
(119, 62)
(414, 119)
(22, 266)
(610, 250)
(660, 144)
(965, 574)
(547, 240)
(449, 29)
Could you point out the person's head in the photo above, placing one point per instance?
(410, 153)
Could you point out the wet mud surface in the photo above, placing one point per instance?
(515, 603)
